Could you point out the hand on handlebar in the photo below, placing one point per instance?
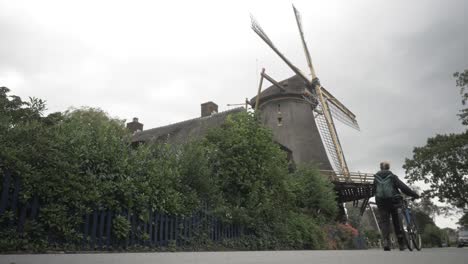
(412, 198)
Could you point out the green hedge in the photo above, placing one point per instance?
(82, 159)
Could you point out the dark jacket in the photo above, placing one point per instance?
(398, 185)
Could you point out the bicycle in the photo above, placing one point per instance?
(410, 230)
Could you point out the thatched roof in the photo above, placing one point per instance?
(294, 86)
(184, 131)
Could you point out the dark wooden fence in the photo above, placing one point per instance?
(156, 230)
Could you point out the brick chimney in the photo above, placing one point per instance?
(135, 126)
(208, 109)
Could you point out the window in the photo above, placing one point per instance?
(280, 118)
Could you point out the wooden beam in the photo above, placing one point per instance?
(275, 83)
(257, 101)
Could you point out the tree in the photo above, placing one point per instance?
(78, 161)
(462, 82)
(250, 169)
(428, 207)
(251, 173)
(443, 162)
(432, 236)
(24, 132)
(463, 221)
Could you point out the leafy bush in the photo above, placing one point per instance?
(314, 193)
(341, 236)
(432, 236)
(121, 227)
(373, 236)
(250, 169)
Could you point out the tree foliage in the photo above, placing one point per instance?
(251, 170)
(314, 194)
(428, 207)
(256, 190)
(463, 221)
(431, 234)
(462, 82)
(443, 162)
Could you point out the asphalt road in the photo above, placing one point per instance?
(426, 256)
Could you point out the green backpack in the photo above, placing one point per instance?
(384, 187)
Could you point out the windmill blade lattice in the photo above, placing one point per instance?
(261, 33)
(304, 44)
(327, 140)
(339, 115)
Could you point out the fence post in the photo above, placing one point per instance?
(176, 231)
(127, 214)
(186, 225)
(14, 203)
(5, 191)
(22, 219)
(161, 229)
(133, 229)
(86, 231)
(155, 229)
(192, 225)
(166, 233)
(108, 229)
(101, 229)
(34, 207)
(94, 229)
(171, 228)
(150, 227)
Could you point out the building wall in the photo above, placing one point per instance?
(293, 125)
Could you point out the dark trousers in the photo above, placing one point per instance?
(387, 208)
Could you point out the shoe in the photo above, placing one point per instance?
(401, 243)
(386, 245)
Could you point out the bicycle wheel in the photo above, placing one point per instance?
(415, 236)
(404, 225)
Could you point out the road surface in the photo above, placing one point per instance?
(427, 256)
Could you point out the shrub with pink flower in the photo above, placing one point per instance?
(341, 236)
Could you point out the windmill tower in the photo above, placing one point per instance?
(302, 112)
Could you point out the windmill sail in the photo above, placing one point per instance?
(304, 44)
(258, 29)
(339, 115)
(328, 130)
(337, 109)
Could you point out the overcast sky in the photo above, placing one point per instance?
(390, 62)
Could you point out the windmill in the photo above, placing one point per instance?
(323, 103)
